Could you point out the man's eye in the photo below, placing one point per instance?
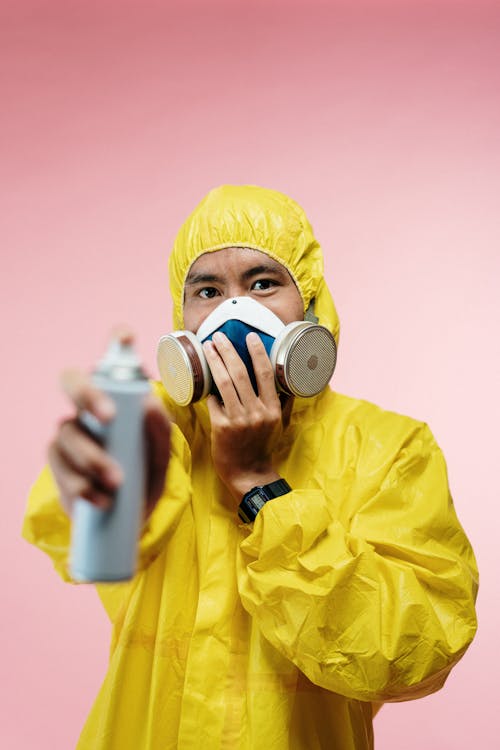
(263, 284)
(207, 292)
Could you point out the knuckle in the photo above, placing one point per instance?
(91, 457)
(66, 426)
(258, 419)
(77, 486)
(275, 414)
(224, 381)
(93, 464)
(101, 467)
(267, 375)
(240, 423)
(239, 368)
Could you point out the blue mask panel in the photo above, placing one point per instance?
(236, 331)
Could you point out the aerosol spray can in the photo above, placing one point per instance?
(104, 542)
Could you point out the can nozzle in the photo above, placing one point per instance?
(120, 362)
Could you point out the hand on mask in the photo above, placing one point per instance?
(245, 426)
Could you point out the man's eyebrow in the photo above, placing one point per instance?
(212, 278)
(275, 269)
(203, 278)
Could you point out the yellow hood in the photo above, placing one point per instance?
(258, 218)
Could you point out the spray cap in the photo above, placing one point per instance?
(121, 362)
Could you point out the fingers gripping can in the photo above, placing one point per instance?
(104, 542)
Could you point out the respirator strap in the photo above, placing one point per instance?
(309, 314)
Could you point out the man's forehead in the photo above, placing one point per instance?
(239, 258)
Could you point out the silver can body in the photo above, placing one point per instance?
(104, 542)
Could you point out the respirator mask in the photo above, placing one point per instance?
(303, 354)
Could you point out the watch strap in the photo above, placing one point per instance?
(254, 500)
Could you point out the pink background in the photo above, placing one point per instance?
(383, 120)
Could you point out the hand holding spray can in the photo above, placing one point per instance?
(104, 542)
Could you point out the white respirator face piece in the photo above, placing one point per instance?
(303, 354)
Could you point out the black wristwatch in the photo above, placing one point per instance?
(254, 500)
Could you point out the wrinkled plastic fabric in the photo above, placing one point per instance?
(265, 220)
(356, 588)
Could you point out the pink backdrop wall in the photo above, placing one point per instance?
(383, 120)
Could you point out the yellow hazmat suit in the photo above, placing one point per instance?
(356, 588)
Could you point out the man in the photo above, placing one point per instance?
(353, 588)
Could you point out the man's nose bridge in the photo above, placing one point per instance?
(236, 289)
